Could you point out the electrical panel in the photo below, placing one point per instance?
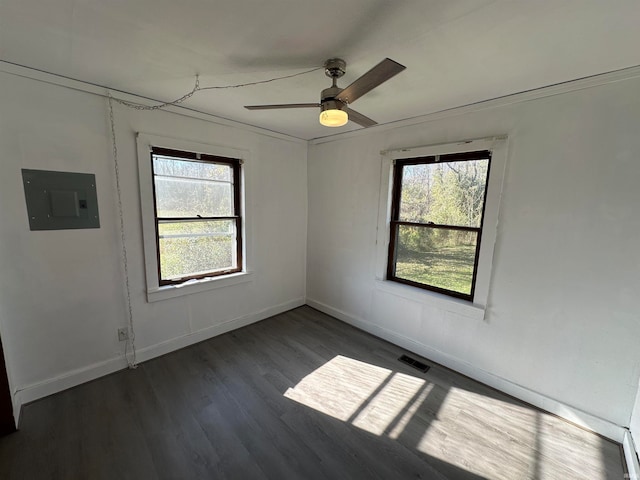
(60, 200)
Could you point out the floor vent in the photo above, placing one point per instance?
(414, 363)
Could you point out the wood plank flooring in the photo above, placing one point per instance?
(297, 396)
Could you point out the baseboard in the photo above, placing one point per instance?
(76, 377)
(168, 346)
(17, 409)
(583, 419)
(65, 381)
(631, 456)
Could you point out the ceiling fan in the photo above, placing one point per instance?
(335, 101)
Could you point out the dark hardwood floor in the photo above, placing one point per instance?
(297, 396)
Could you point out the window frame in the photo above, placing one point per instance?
(474, 309)
(153, 291)
(192, 156)
(395, 222)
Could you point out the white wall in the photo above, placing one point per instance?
(61, 292)
(562, 319)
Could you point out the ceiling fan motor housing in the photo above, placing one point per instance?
(331, 105)
(330, 94)
(335, 67)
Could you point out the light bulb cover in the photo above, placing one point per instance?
(332, 114)
(333, 118)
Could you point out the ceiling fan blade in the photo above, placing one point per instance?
(359, 118)
(370, 80)
(285, 105)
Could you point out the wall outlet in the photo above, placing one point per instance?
(123, 334)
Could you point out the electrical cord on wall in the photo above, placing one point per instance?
(131, 337)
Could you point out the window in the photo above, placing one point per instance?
(437, 212)
(198, 221)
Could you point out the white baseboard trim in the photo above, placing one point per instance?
(62, 382)
(30, 393)
(572, 414)
(147, 353)
(17, 409)
(631, 456)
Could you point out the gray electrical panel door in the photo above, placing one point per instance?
(60, 200)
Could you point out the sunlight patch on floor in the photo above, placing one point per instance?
(368, 396)
(383, 412)
(410, 413)
(488, 437)
(496, 441)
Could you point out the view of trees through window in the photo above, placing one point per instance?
(192, 200)
(437, 222)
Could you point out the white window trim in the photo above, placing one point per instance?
(475, 309)
(155, 292)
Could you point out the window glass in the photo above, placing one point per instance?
(192, 248)
(436, 224)
(197, 216)
(183, 197)
(439, 257)
(173, 167)
(449, 193)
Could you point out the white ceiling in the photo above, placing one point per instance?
(456, 51)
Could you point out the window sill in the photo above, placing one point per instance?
(438, 300)
(195, 286)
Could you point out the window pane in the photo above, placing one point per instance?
(182, 197)
(172, 167)
(448, 193)
(194, 248)
(437, 257)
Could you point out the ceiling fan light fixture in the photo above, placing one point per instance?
(332, 115)
(333, 118)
